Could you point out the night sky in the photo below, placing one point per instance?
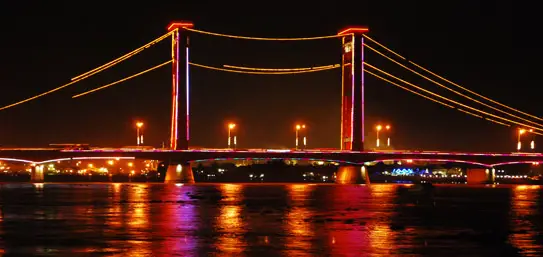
(43, 45)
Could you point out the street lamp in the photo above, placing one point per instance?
(298, 128)
(387, 127)
(139, 135)
(532, 144)
(231, 126)
(378, 128)
(520, 132)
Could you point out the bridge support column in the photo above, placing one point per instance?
(352, 88)
(179, 134)
(37, 174)
(179, 173)
(352, 175)
(481, 176)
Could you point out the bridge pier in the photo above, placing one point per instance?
(352, 175)
(36, 174)
(481, 176)
(179, 173)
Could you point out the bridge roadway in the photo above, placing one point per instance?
(44, 155)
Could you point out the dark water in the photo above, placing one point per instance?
(269, 220)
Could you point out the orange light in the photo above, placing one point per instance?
(379, 127)
(139, 124)
(180, 24)
(353, 30)
(521, 131)
(298, 127)
(409, 161)
(231, 125)
(531, 130)
(387, 127)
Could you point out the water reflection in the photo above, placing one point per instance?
(523, 214)
(379, 233)
(229, 223)
(299, 231)
(175, 220)
(266, 220)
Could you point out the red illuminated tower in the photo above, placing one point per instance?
(352, 103)
(179, 134)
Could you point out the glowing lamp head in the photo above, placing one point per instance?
(387, 127)
(139, 124)
(521, 131)
(379, 127)
(231, 126)
(298, 127)
(531, 130)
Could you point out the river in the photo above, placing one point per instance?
(112, 219)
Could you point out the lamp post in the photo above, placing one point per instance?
(520, 132)
(532, 143)
(378, 128)
(231, 126)
(139, 134)
(387, 127)
(298, 128)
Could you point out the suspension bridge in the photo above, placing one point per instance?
(354, 41)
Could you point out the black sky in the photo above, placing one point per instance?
(45, 44)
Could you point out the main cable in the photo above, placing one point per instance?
(126, 56)
(432, 99)
(453, 101)
(261, 72)
(284, 69)
(452, 90)
(262, 38)
(122, 80)
(450, 82)
(89, 73)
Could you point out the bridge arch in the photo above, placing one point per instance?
(434, 160)
(84, 158)
(515, 162)
(275, 159)
(16, 160)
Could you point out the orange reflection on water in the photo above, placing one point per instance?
(380, 235)
(138, 197)
(299, 232)
(229, 223)
(523, 209)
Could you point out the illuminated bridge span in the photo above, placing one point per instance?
(353, 40)
(180, 160)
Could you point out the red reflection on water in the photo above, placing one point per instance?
(364, 230)
(174, 222)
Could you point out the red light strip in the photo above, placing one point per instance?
(174, 25)
(353, 30)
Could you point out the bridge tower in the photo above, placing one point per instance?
(179, 133)
(352, 102)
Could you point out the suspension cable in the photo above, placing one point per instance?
(453, 101)
(126, 56)
(432, 99)
(261, 72)
(285, 69)
(89, 73)
(452, 83)
(262, 38)
(452, 90)
(122, 80)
